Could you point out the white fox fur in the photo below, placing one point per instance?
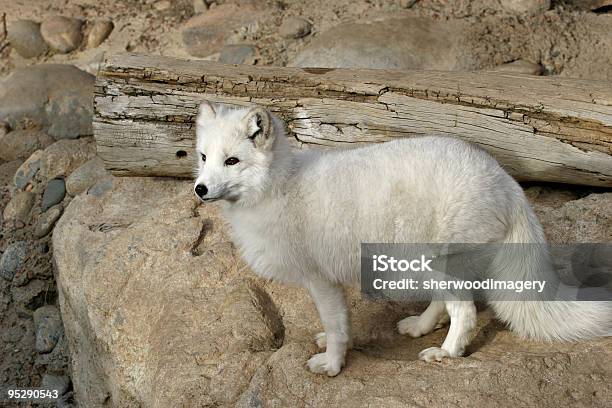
(299, 217)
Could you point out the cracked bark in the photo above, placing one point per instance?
(539, 128)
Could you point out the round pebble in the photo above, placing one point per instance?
(48, 328)
(47, 221)
(63, 34)
(100, 30)
(12, 259)
(54, 193)
(24, 36)
(294, 27)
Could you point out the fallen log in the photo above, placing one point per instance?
(539, 128)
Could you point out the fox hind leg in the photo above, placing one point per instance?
(462, 322)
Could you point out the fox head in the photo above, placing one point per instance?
(234, 152)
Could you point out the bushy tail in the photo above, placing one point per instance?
(543, 319)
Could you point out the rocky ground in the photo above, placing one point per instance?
(161, 321)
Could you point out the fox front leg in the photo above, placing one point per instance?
(333, 312)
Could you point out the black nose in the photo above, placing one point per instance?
(201, 190)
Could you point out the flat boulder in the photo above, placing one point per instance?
(207, 33)
(401, 44)
(150, 283)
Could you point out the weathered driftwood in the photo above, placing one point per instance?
(539, 128)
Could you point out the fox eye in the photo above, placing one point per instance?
(203, 157)
(231, 161)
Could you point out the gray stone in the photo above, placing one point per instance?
(54, 193)
(13, 259)
(520, 67)
(20, 144)
(85, 176)
(238, 54)
(48, 324)
(64, 156)
(206, 33)
(60, 383)
(63, 34)
(24, 36)
(408, 43)
(47, 220)
(294, 27)
(56, 98)
(19, 207)
(26, 172)
(100, 30)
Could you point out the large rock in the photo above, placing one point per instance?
(407, 43)
(588, 219)
(160, 311)
(57, 98)
(183, 346)
(206, 33)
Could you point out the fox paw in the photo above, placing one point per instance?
(411, 326)
(323, 363)
(433, 354)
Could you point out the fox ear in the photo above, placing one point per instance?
(206, 112)
(259, 126)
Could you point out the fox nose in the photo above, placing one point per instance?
(201, 190)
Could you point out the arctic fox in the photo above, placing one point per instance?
(299, 217)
